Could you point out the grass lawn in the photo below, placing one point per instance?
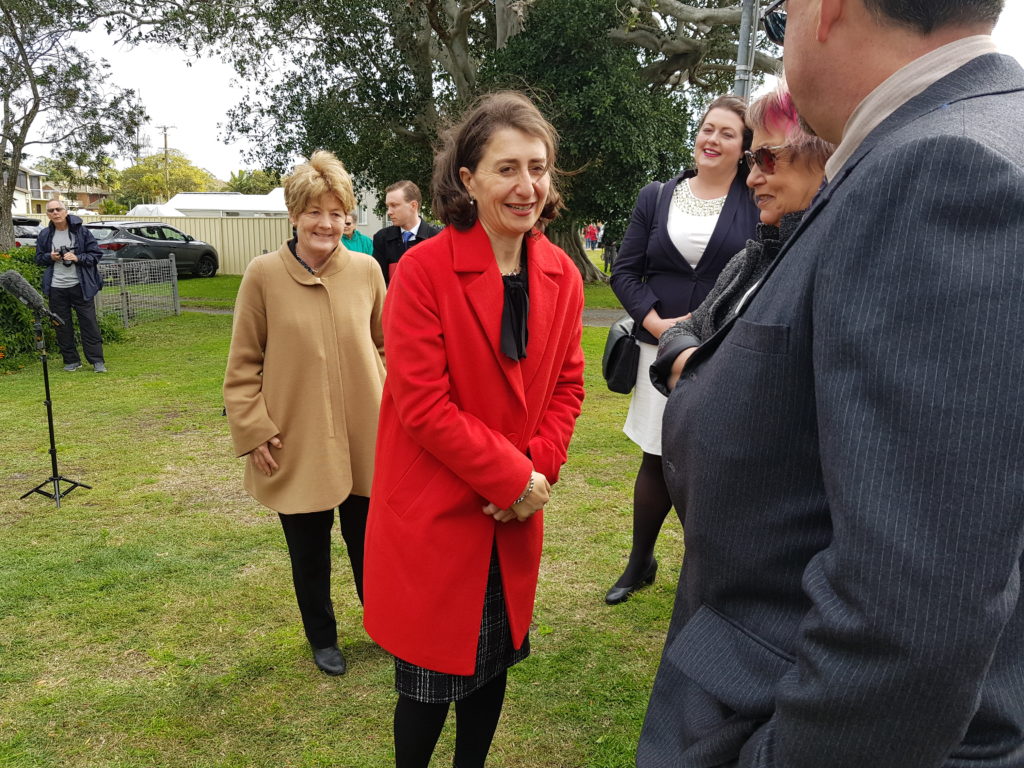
(209, 293)
(599, 295)
(151, 620)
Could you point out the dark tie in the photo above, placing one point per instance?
(406, 237)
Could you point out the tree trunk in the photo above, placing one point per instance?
(8, 181)
(566, 235)
(508, 19)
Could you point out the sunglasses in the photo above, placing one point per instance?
(774, 20)
(54, 210)
(764, 158)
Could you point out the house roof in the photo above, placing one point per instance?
(272, 202)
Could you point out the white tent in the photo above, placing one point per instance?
(154, 209)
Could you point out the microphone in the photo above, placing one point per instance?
(17, 285)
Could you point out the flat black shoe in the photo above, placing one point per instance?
(618, 594)
(330, 660)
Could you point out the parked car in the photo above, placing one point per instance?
(31, 221)
(25, 234)
(155, 240)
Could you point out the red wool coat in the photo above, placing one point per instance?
(461, 425)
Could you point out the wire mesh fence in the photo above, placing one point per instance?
(139, 290)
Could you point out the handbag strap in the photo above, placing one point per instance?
(650, 230)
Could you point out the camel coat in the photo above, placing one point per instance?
(461, 425)
(306, 363)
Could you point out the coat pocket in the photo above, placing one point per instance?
(767, 339)
(418, 475)
(730, 663)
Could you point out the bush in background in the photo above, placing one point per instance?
(17, 337)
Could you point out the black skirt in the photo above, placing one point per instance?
(494, 653)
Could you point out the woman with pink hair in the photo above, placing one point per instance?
(787, 166)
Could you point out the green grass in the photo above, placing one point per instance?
(209, 293)
(151, 620)
(599, 295)
(219, 292)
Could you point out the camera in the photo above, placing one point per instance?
(62, 251)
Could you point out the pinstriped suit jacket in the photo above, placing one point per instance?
(849, 454)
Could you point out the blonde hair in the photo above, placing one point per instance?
(307, 182)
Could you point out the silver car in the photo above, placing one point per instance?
(25, 235)
(155, 240)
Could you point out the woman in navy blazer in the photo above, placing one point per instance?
(680, 236)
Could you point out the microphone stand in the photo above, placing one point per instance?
(55, 479)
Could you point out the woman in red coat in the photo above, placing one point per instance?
(482, 328)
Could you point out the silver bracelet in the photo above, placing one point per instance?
(527, 492)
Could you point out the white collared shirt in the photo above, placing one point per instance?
(899, 88)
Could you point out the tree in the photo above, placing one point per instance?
(253, 182)
(391, 73)
(73, 178)
(616, 134)
(49, 86)
(108, 206)
(688, 42)
(150, 180)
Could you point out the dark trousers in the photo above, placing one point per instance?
(309, 547)
(62, 301)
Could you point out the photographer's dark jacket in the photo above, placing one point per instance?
(85, 248)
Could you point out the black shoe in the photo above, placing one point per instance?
(619, 594)
(330, 660)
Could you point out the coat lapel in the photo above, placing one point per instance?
(543, 268)
(474, 262)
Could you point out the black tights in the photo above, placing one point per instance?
(309, 548)
(418, 726)
(651, 504)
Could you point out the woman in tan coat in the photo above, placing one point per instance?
(303, 388)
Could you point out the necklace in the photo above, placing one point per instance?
(687, 202)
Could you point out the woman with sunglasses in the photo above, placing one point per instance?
(680, 236)
(787, 166)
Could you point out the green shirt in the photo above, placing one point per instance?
(358, 242)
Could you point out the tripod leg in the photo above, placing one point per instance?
(55, 479)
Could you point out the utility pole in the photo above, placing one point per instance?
(167, 176)
(745, 53)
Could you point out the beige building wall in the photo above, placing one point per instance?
(237, 240)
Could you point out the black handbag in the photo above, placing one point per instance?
(621, 356)
(621, 349)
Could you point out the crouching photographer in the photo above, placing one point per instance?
(70, 254)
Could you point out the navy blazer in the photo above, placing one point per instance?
(673, 288)
(850, 455)
(388, 247)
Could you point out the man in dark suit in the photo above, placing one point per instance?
(849, 450)
(403, 201)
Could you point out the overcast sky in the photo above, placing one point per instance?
(195, 99)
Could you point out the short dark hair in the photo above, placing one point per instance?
(409, 190)
(463, 145)
(926, 16)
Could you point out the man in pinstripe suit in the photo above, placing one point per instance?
(849, 450)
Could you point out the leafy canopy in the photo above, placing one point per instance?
(147, 182)
(55, 97)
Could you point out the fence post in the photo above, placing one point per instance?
(124, 293)
(175, 299)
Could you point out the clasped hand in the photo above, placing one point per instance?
(262, 457)
(68, 256)
(538, 496)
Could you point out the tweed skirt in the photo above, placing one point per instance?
(494, 653)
